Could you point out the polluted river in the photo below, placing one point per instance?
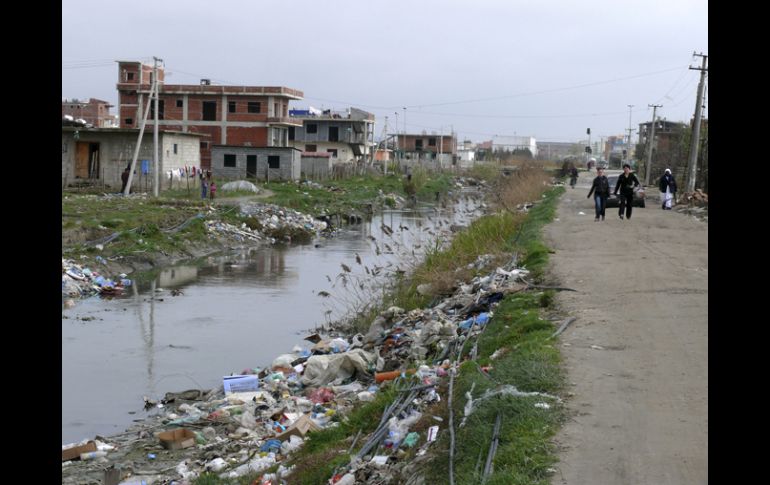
(187, 326)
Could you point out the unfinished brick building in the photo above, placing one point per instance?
(255, 116)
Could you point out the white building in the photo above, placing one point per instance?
(511, 143)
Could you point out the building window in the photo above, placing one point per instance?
(179, 103)
(291, 133)
(175, 146)
(418, 144)
(333, 151)
(128, 121)
(231, 107)
(273, 161)
(129, 76)
(209, 111)
(334, 133)
(204, 145)
(311, 128)
(254, 107)
(431, 142)
(161, 109)
(229, 160)
(311, 148)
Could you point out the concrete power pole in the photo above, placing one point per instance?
(628, 145)
(693, 161)
(650, 143)
(156, 159)
(385, 147)
(127, 190)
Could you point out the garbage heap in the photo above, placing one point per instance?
(257, 418)
(80, 281)
(269, 223)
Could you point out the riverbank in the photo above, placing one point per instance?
(401, 338)
(112, 237)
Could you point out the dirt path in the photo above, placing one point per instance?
(640, 404)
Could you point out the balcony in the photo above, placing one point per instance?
(284, 121)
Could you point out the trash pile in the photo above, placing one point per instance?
(79, 281)
(257, 418)
(698, 198)
(269, 223)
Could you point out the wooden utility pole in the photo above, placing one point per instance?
(693, 161)
(650, 143)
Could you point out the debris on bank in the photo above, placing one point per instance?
(256, 419)
(78, 281)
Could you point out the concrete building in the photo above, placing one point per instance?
(255, 116)
(99, 155)
(553, 150)
(235, 162)
(513, 143)
(95, 112)
(424, 148)
(347, 135)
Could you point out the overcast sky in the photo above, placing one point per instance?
(548, 69)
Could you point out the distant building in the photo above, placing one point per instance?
(553, 150)
(95, 112)
(425, 148)
(347, 136)
(514, 143)
(256, 116)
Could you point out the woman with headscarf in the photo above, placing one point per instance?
(667, 188)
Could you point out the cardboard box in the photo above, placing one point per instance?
(177, 439)
(240, 383)
(74, 453)
(300, 427)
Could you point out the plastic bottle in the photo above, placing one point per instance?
(91, 455)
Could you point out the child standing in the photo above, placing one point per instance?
(204, 186)
(213, 189)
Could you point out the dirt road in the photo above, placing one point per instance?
(637, 356)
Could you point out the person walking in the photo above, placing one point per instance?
(667, 188)
(627, 182)
(601, 190)
(573, 176)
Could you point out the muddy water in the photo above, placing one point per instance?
(235, 310)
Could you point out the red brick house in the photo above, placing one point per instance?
(255, 116)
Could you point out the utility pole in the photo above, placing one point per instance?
(404, 120)
(693, 161)
(385, 147)
(127, 190)
(156, 159)
(628, 145)
(650, 143)
(398, 141)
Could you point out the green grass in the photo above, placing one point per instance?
(531, 362)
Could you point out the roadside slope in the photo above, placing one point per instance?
(640, 402)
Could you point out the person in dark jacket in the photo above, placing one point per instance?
(124, 178)
(601, 190)
(573, 176)
(626, 183)
(667, 188)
